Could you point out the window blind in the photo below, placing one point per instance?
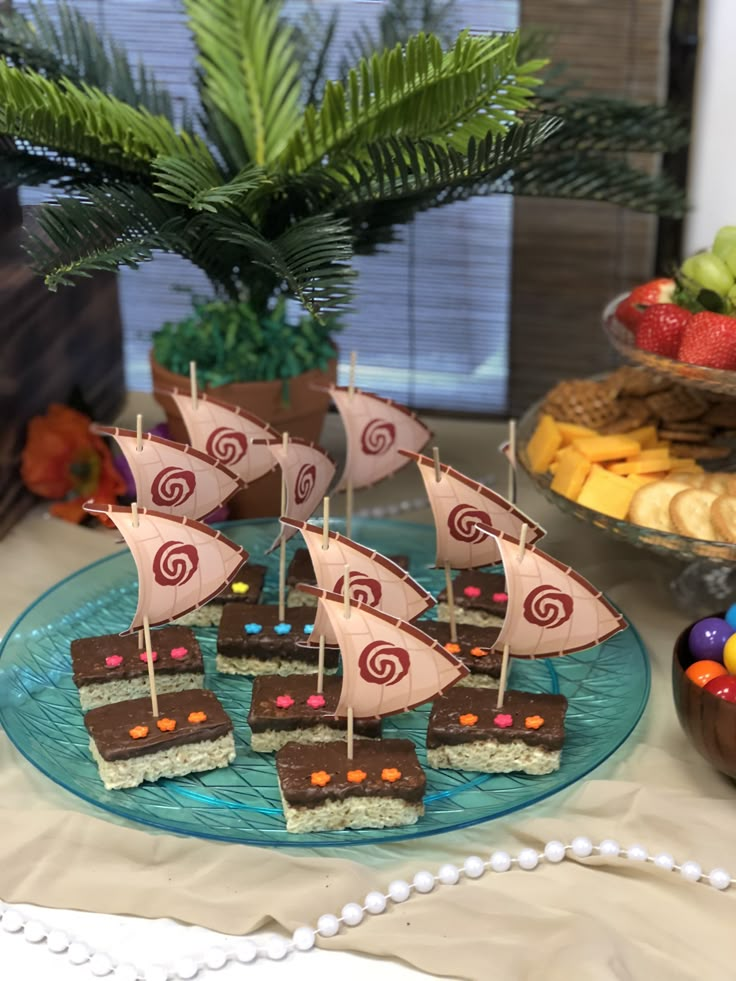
(430, 317)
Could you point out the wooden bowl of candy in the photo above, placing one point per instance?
(704, 687)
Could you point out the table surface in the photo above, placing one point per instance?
(624, 796)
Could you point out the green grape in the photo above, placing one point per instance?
(724, 241)
(708, 271)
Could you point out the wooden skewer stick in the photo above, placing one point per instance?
(325, 545)
(282, 547)
(149, 661)
(193, 382)
(346, 614)
(325, 522)
(350, 732)
(349, 484)
(522, 541)
(512, 461)
(504, 675)
(448, 576)
(139, 433)
(134, 512)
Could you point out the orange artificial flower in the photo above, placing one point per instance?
(452, 648)
(356, 776)
(534, 722)
(63, 461)
(138, 732)
(468, 719)
(166, 725)
(391, 774)
(320, 778)
(197, 717)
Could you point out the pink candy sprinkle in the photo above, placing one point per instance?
(113, 661)
(284, 701)
(144, 657)
(503, 721)
(178, 653)
(500, 597)
(472, 592)
(316, 701)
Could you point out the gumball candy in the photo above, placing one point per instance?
(729, 654)
(724, 687)
(708, 638)
(701, 672)
(731, 616)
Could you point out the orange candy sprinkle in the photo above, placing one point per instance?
(391, 774)
(452, 648)
(138, 732)
(479, 652)
(356, 776)
(320, 778)
(166, 725)
(468, 719)
(534, 722)
(197, 717)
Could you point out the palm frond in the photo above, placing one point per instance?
(198, 184)
(311, 258)
(249, 71)
(313, 37)
(418, 91)
(69, 45)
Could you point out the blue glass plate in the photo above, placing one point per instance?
(607, 688)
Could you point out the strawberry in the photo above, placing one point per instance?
(660, 329)
(709, 339)
(631, 308)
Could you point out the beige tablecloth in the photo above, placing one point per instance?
(580, 920)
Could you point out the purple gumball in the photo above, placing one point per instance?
(707, 639)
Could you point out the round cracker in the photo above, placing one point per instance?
(650, 506)
(690, 513)
(692, 479)
(723, 515)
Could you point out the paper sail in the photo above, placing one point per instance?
(375, 428)
(181, 563)
(388, 666)
(173, 477)
(308, 471)
(226, 432)
(459, 505)
(551, 609)
(374, 579)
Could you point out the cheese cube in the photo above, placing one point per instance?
(638, 465)
(572, 430)
(645, 436)
(607, 492)
(572, 469)
(639, 479)
(603, 448)
(545, 442)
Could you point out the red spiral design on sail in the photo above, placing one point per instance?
(462, 521)
(227, 445)
(382, 664)
(304, 483)
(172, 487)
(378, 437)
(363, 589)
(546, 606)
(175, 563)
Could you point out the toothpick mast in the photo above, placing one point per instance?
(511, 495)
(147, 635)
(282, 546)
(139, 448)
(349, 484)
(193, 382)
(346, 614)
(448, 576)
(506, 649)
(325, 545)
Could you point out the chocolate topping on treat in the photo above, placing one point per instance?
(469, 638)
(380, 761)
(110, 726)
(475, 590)
(90, 656)
(446, 728)
(239, 635)
(266, 716)
(245, 588)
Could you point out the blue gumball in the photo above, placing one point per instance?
(731, 616)
(708, 638)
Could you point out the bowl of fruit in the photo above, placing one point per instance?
(704, 687)
(684, 327)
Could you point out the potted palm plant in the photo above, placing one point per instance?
(273, 181)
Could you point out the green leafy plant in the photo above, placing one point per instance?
(278, 175)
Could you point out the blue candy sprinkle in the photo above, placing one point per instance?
(308, 628)
(282, 628)
(253, 628)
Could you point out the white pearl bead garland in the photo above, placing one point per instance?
(352, 914)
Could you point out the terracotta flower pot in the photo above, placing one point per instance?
(302, 415)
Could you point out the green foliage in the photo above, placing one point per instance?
(234, 342)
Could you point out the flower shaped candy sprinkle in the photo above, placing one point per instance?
(479, 651)
(533, 722)
(452, 648)
(253, 628)
(166, 725)
(284, 701)
(239, 588)
(391, 774)
(472, 592)
(138, 732)
(282, 628)
(503, 720)
(469, 719)
(196, 717)
(320, 778)
(113, 660)
(144, 657)
(316, 701)
(179, 653)
(356, 776)
(308, 628)
(500, 597)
